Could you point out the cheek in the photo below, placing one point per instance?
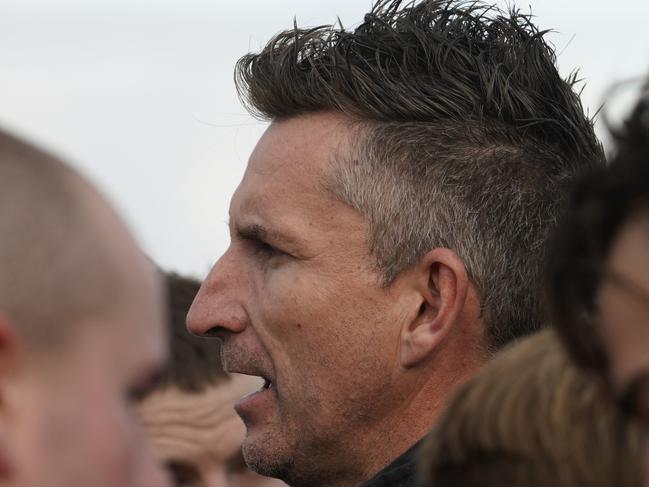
(108, 418)
(116, 448)
(615, 308)
(78, 439)
(319, 328)
(295, 315)
(326, 338)
(302, 301)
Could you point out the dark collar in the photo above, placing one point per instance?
(400, 473)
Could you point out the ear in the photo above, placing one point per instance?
(442, 284)
(9, 369)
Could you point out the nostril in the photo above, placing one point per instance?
(214, 332)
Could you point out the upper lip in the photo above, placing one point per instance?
(264, 376)
(241, 362)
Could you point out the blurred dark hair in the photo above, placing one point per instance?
(194, 363)
(600, 206)
(531, 418)
(465, 135)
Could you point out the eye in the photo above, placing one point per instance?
(236, 464)
(255, 239)
(143, 387)
(264, 249)
(182, 475)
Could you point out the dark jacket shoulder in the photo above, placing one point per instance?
(400, 473)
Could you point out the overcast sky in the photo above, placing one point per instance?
(138, 94)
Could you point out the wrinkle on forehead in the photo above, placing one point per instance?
(310, 135)
(285, 182)
(190, 426)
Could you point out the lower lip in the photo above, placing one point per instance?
(255, 401)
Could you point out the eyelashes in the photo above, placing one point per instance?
(266, 248)
(262, 248)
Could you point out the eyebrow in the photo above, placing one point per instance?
(257, 231)
(253, 231)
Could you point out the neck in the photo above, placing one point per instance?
(359, 457)
(416, 411)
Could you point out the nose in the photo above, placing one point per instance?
(218, 309)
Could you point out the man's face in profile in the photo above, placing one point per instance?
(297, 301)
(197, 436)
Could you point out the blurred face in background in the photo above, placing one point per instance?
(623, 304)
(68, 406)
(197, 436)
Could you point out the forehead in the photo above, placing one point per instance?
(197, 427)
(290, 163)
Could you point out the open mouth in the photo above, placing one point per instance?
(266, 383)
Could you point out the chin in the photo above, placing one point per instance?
(280, 447)
(267, 453)
(266, 460)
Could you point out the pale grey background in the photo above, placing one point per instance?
(138, 94)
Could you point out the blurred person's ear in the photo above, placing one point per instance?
(443, 285)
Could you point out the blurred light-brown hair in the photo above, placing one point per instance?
(533, 419)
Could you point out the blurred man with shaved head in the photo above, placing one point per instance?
(80, 331)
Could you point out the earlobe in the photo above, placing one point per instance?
(443, 287)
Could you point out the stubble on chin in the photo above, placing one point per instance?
(268, 457)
